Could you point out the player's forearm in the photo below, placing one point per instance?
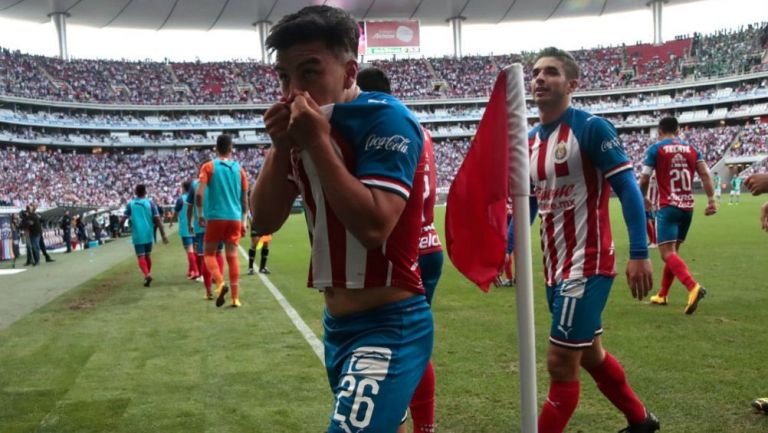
(644, 182)
(633, 210)
(708, 184)
(360, 209)
(189, 215)
(273, 193)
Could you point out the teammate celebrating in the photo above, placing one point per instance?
(187, 238)
(144, 218)
(226, 187)
(674, 161)
(575, 156)
(357, 162)
(430, 255)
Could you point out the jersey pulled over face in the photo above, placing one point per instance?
(380, 142)
(674, 162)
(571, 160)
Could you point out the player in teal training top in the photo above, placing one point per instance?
(143, 217)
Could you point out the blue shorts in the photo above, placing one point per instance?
(142, 249)
(187, 240)
(374, 362)
(200, 244)
(431, 266)
(672, 224)
(576, 306)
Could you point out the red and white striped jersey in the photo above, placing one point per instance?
(429, 241)
(380, 142)
(571, 160)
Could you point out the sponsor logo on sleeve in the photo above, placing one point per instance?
(394, 143)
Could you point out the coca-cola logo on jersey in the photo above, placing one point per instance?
(393, 143)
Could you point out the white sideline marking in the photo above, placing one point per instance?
(310, 336)
(10, 271)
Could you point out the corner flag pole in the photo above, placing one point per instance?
(519, 190)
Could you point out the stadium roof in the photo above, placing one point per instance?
(241, 14)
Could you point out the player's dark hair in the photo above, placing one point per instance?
(373, 79)
(333, 26)
(223, 144)
(572, 70)
(668, 125)
(186, 185)
(141, 190)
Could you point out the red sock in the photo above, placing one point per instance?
(423, 402)
(651, 229)
(234, 275)
(205, 273)
(213, 268)
(143, 265)
(680, 269)
(149, 264)
(557, 410)
(220, 261)
(667, 278)
(612, 382)
(508, 267)
(192, 259)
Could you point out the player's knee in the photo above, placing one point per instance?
(563, 364)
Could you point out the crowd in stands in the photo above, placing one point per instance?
(237, 82)
(752, 141)
(56, 177)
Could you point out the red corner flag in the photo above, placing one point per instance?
(476, 214)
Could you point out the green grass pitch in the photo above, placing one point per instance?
(113, 356)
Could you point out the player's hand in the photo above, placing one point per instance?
(201, 221)
(276, 121)
(757, 183)
(308, 125)
(764, 216)
(639, 277)
(242, 230)
(711, 208)
(165, 240)
(191, 228)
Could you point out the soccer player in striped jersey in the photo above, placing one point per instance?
(576, 159)
(675, 161)
(187, 237)
(356, 158)
(430, 254)
(223, 184)
(144, 217)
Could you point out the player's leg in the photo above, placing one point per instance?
(564, 353)
(141, 251)
(213, 234)
(374, 362)
(611, 380)
(186, 243)
(667, 233)
(423, 402)
(263, 259)
(682, 220)
(200, 252)
(232, 241)
(252, 252)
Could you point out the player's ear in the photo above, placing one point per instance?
(350, 73)
(573, 84)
